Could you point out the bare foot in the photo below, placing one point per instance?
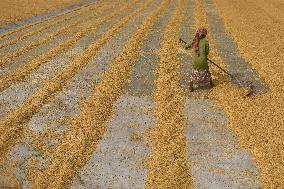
(211, 83)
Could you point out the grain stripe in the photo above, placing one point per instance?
(53, 24)
(23, 71)
(89, 126)
(168, 166)
(8, 58)
(45, 20)
(11, 126)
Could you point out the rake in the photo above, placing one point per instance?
(244, 84)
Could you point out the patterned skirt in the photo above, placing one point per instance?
(200, 77)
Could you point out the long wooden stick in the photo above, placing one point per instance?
(221, 68)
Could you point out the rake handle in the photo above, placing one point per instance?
(182, 41)
(225, 71)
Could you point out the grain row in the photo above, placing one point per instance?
(89, 126)
(23, 71)
(167, 165)
(45, 20)
(45, 39)
(13, 124)
(258, 121)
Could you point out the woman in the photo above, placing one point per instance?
(200, 73)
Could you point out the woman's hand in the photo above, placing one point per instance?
(186, 45)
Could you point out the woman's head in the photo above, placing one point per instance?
(200, 33)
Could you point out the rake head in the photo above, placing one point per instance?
(247, 86)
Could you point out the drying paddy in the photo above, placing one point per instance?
(97, 97)
(16, 10)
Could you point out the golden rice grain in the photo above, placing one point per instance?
(11, 56)
(167, 165)
(89, 126)
(23, 71)
(258, 121)
(12, 126)
(21, 9)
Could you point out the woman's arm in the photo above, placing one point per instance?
(188, 46)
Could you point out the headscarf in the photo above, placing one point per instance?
(200, 33)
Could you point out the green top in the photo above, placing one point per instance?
(200, 62)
